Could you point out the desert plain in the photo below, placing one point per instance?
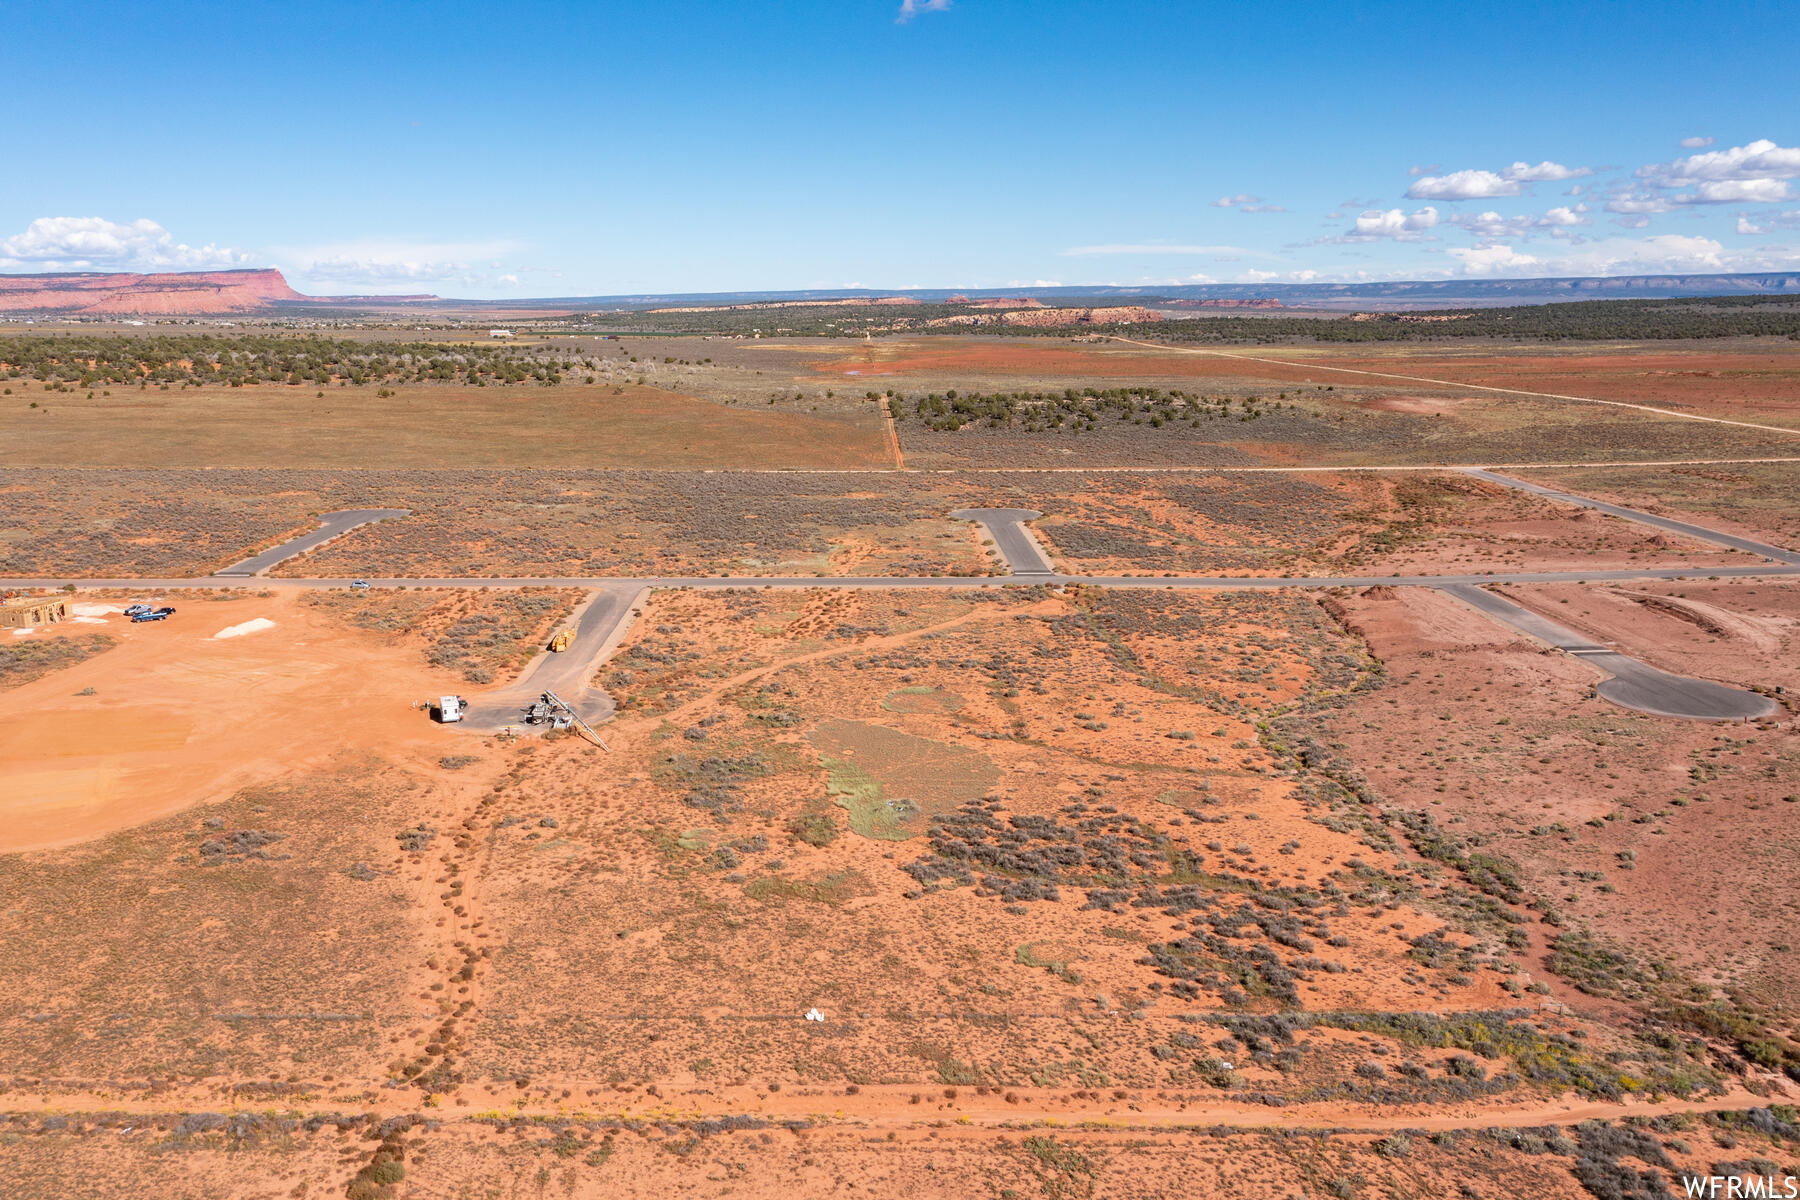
(1239, 853)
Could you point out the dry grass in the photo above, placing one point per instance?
(484, 635)
(605, 425)
(155, 955)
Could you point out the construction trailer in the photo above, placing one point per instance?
(449, 709)
(28, 612)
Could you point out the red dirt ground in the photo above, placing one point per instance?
(179, 718)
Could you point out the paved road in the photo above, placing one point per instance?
(331, 525)
(599, 625)
(1698, 532)
(1633, 684)
(601, 622)
(1015, 543)
(904, 582)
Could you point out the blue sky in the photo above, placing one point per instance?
(591, 148)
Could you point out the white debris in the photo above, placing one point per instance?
(94, 610)
(87, 620)
(256, 626)
(813, 1014)
(23, 632)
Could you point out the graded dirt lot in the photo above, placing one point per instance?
(238, 689)
(175, 715)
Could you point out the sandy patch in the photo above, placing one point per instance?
(256, 625)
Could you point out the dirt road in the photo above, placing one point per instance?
(1474, 387)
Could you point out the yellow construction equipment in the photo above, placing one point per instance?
(561, 641)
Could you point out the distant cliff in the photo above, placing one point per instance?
(199, 292)
(184, 293)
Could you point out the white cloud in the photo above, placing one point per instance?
(1462, 185)
(1394, 223)
(1232, 201)
(1761, 159)
(94, 243)
(1639, 202)
(1631, 222)
(1490, 260)
(1656, 197)
(1262, 208)
(912, 8)
(381, 266)
(1491, 225)
(1660, 254)
(1148, 248)
(1417, 171)
(1544, 172)
(1563, 216)
(1746, 227)
(1695, 143)
(1255, 276)
(1738, 191)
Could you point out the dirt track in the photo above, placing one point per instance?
(891, 1108)
(1477, 387)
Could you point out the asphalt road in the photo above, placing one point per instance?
(903, 582)
(331, 525)
(1016, 545)
(599, 624)
(1633, 684)
(1698, 532)
(602, 621)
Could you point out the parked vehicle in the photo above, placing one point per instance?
(151, 614)
(361, 585)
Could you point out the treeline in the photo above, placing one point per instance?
(1580, 320)
(1070, 410)
(108, 359)
(848, 320)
